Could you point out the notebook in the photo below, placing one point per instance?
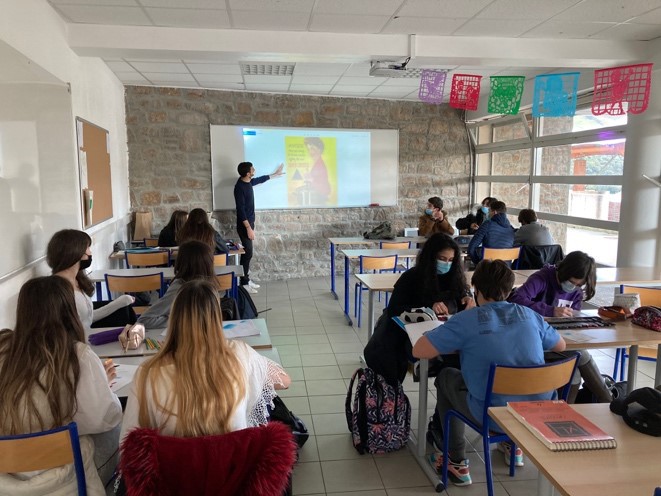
(416, 330)
(559, 426)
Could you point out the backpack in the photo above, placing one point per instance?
(247, 308)
(229, 308)
(382, 231)
(380, 420)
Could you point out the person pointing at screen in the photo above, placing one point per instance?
(245, 214)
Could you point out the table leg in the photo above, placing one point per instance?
(370, 314)
(347, 264)
(632, 368)
(332, 269)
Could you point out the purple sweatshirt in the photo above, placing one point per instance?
(542, 293)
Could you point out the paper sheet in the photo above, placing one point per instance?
(125, 374)
(575, 336)
(416, 330)
(240, 329)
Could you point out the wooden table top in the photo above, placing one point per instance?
(119, 255)
(359, 240)
(619, 275)
(386, 281)
(378, 252)
(629, 469)
(168, 272)
(621, 334)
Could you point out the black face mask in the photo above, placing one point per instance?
(85, 264)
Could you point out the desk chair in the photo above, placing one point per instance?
(220, 260)
(43, 451)
(397, 245)
(374, 264)
(156, 258)
(648, 297)
(151, 242)
(136, 284)
(506, 254)
(509, 380)
(227, 282)
(256, 461)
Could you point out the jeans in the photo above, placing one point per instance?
(247, 256)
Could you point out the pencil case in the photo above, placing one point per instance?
(105, 337)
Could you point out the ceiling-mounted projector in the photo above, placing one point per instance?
(382, 68)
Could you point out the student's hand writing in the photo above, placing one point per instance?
(439, 308)
(562, 312)
(109, 366)
(468, 301)
(278, 172)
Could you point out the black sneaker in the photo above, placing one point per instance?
(435, 432)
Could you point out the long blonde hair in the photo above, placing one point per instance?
(39, 358)
(207, 378)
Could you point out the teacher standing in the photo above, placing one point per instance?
(245, 214)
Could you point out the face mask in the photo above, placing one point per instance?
(428, 211)
(85, 264)
(442, 267)
(485, 210)
(568, 286)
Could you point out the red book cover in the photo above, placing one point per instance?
(559, 426)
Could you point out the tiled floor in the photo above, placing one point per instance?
(320, 352)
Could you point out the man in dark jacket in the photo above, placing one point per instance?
(496, 233)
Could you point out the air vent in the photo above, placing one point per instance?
(266, 69)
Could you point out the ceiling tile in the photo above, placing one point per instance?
(201, 68)
(189, 18)
(402, 82)
(224, 86)
(347, 23)
(632, 32)
(317, 89)
(331, 80)
(530, 9)
(270, 21)
(392, 92)
(447, 8)
(219, 78)
(433, 26)
(267, 79)
(273, 5)
(169, 77)
(130, 77)
(653, 17)
(360, 81)
(361, 69)
(351, 90)
(98, 14)
(157, 66)
(566, 30)
(495, 28)
(119, 66)
(608, 11)
(319, 69)
(132, 3)
(268, 87)
(360, 7)
(188, 4)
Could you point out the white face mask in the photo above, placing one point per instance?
(568, 286)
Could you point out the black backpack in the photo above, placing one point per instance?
(247, 308)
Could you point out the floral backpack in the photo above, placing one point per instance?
(380, 420)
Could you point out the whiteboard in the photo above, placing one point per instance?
(324, 167)
(38, 173)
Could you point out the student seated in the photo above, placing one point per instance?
(194, 261)
(201, 383)
(437, 281)
(531, 232)
(49, 377)
(471, 223)
(168, 235)
(68, 254)
(496, 233)
(197, 227)
(482, 336)
(435, 219)
(557, 290)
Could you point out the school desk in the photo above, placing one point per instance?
(119, 256)
(628, 469)
(620, 275)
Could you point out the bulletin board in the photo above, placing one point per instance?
(94, 165)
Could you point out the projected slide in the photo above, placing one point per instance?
(322, 168)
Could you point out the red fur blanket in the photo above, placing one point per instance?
(255, 462)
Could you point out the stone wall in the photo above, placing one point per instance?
(170, 165)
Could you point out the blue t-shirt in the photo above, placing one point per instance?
(499, 332)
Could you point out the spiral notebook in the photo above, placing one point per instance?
(559, 426)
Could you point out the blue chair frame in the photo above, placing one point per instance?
(358, 288)
(489, 437)
(72, 429)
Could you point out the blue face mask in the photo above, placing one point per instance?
(443, 267)
(568, 286)
(485, 210)
(428, 211)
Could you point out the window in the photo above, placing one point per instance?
(568, 169)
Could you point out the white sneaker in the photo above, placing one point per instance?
(249, 288)
(253, 284)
